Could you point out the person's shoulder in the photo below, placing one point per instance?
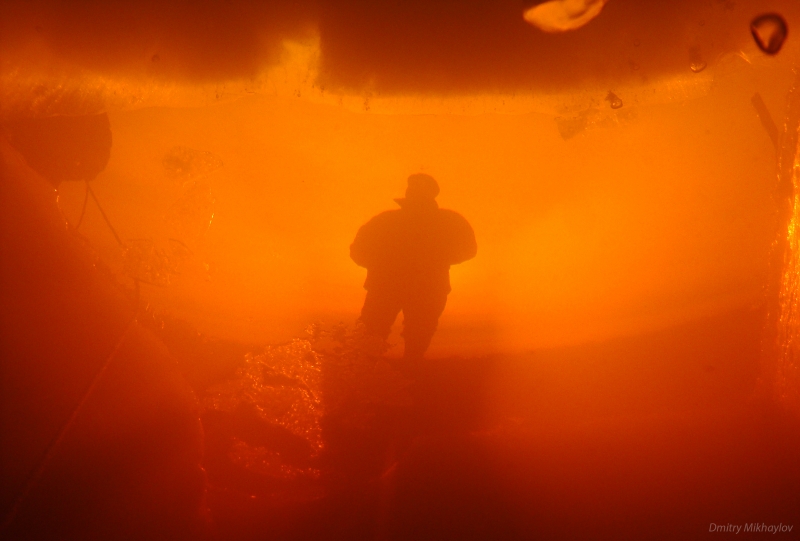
(451, 216)
(385, 217)
(449, 212)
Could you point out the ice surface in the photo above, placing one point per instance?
(186, 163)
(191, 215)
(282, 384)
(147, 262)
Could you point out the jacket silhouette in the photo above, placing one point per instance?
(407, 253)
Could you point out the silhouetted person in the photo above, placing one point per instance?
(408, 253)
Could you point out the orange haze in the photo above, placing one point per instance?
(652, 214)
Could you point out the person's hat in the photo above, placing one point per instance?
(421, 187)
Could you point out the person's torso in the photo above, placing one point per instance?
(412, 252)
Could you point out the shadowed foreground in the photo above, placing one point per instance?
(654, 436)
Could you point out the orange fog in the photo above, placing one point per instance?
(181, 357)
(655, 213)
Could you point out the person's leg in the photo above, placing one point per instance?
(420, 318)
(378, 313)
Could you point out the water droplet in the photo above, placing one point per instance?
(769, 31)
(697, 67)
(614, 100)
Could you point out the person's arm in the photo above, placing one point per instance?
(367, 246)
(360, 249)
(464, 246)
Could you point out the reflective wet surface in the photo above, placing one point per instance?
(555, 444)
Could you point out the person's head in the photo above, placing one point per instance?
(421, 187)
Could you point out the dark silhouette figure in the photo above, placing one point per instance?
(407, 253)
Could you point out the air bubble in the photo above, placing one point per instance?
(563, 15)
(769, 31)
(697, 67)
(614, 100)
